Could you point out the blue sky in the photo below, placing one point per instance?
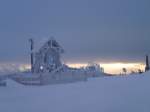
(87, 29)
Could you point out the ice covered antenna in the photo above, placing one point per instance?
(147, 63)
(32, 60)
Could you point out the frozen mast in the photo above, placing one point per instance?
(32, 59)
(147, 64)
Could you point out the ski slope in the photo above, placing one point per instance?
(104, 94)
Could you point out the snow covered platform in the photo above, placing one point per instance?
(53, 78)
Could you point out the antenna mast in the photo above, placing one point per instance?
(32, 55)
(147, 63)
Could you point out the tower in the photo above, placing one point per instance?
(48, 58)
(32, 55)
(147, 67)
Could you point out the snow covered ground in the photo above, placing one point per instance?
(104, 94)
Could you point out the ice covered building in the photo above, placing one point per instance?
(47, 67)
(47, 58)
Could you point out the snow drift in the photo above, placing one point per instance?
(104, 94)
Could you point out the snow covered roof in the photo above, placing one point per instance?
(51, 43)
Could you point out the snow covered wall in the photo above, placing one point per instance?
(104, 94)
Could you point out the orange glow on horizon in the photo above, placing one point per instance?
(114, 68)
(111, 68)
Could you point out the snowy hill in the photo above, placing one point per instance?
(105, 94)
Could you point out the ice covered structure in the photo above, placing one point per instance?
(47, 67)
(47, 58)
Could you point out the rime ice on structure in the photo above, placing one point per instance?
(47, 58)
(48, 69)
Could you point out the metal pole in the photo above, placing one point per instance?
(32, 56)
(147, 63)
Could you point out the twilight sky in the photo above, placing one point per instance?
(87, 29)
